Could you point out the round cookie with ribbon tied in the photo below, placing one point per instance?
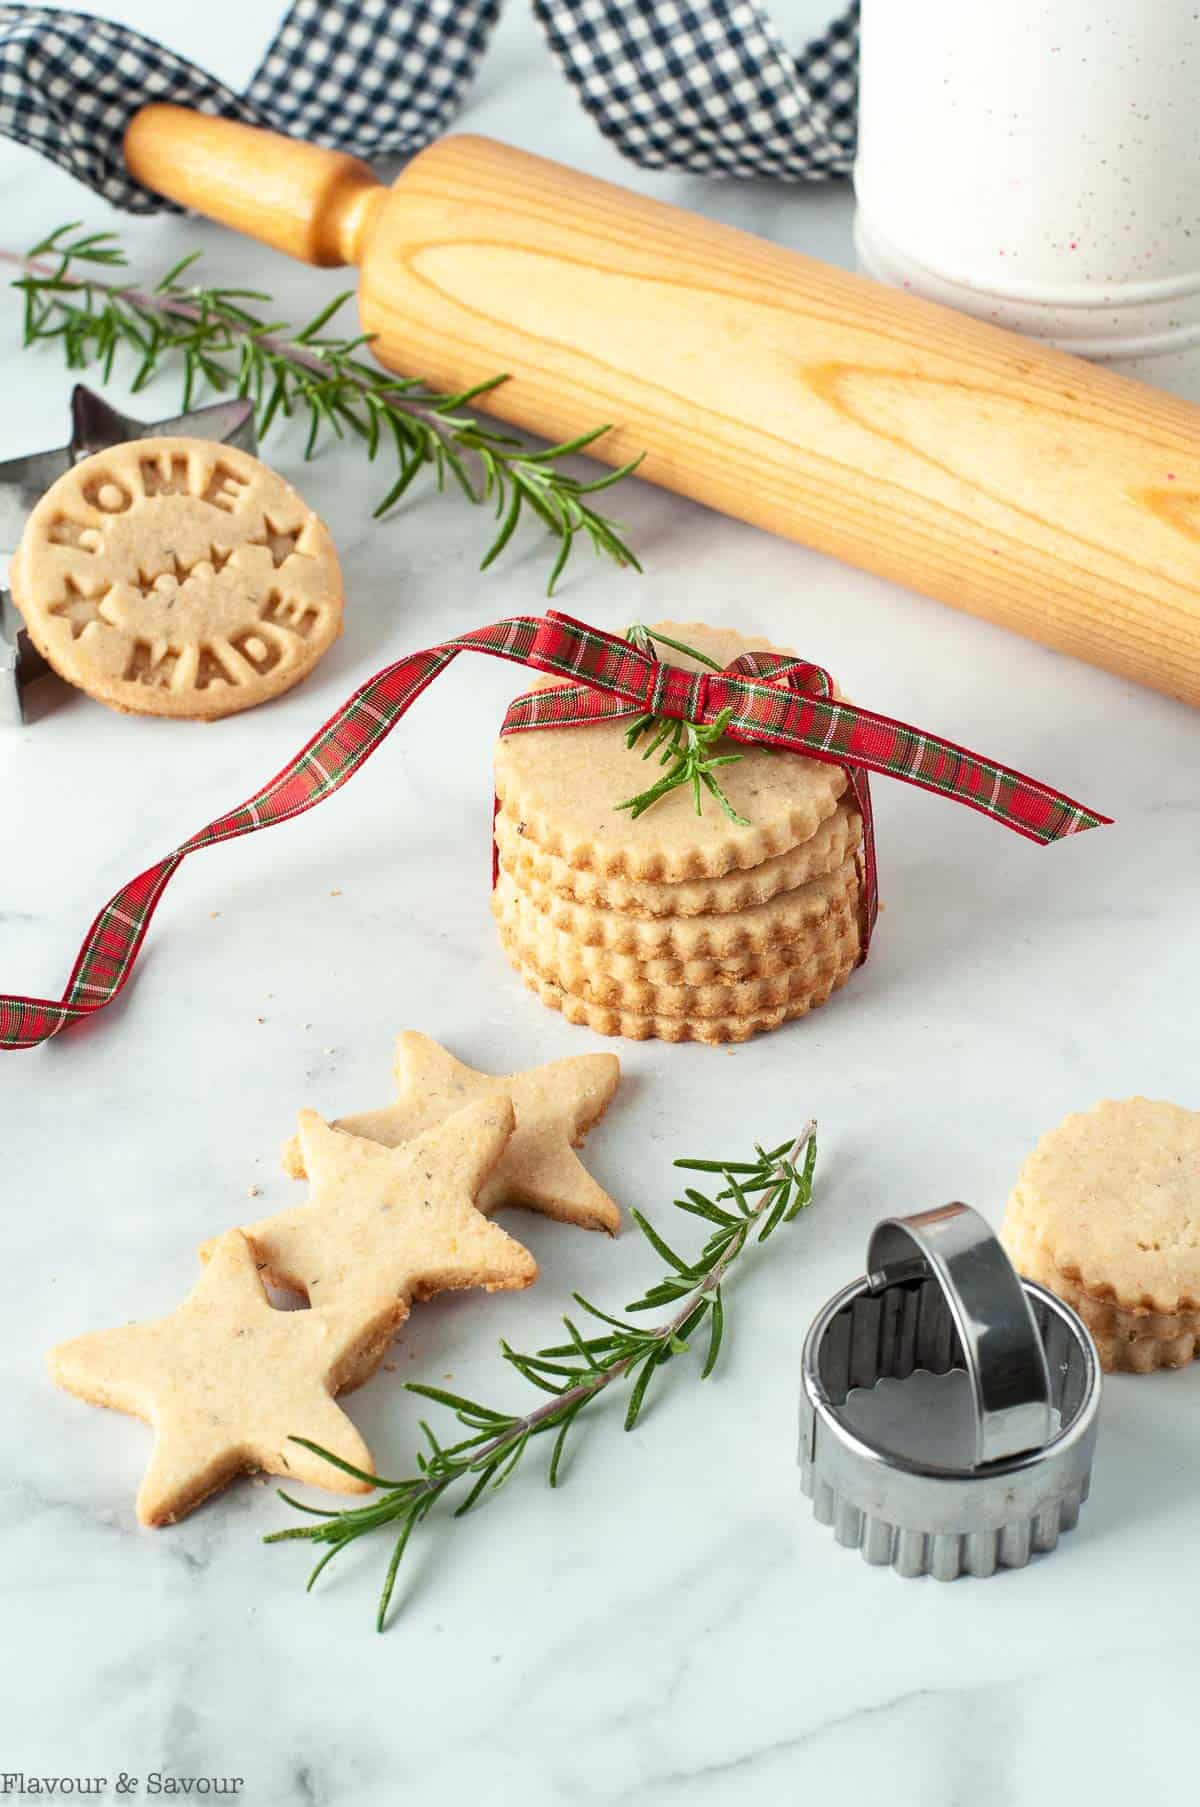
(711, 914)
(177, 577)
(565, 789)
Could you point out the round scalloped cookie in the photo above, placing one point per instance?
(1103, 1316)
(1113, 1197)
(1126, 1342)
(837, 837)
(808, 910)
(605, 1019)
(727, 997)
(610, 974)
(564, 784)
(557, 952)
(177, 577)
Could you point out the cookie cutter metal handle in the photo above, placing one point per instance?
(1001, 1347)
(941, 1297)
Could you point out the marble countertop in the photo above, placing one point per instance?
(670, 1626)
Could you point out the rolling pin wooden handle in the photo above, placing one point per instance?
(314, 204)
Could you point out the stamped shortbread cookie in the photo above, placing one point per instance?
(822, 853)
(228, 1383)
(564, 784)
(384, 1226)
(607, 1019)
(810, 910)
(555, 1107)
(177, 577)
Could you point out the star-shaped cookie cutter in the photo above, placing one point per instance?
(24, 481)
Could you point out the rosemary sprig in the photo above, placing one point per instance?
(686, 746)
(222, 344)
(756, 1198)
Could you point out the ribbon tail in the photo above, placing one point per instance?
(336, 751)
(825, 728)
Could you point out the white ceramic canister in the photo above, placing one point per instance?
(1038, 165)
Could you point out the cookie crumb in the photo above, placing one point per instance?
(253, 1191)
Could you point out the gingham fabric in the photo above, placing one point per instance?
(366, 76)
(709, 86)
(775, 702)
(702, 85)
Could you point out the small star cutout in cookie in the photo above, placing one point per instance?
(555, 1105)
(227, 1382)
(383, 1226)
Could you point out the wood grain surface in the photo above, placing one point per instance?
(1021, 484)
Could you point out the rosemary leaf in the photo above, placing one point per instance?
(219, 343)
(773, 1191)
(687, 754)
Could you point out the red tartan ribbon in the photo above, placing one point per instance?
(699, 696)
(775, 702)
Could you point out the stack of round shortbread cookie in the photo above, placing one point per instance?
(1106, 1213)
(683, 926)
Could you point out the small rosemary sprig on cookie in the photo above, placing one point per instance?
(756, 1198)
(320, 375)
(686, 746)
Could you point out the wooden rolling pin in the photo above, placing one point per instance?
(1017, 482)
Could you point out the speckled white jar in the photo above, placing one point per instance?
(1038, 164)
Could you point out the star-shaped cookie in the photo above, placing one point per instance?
(226, 1381)
(555, 1107)
(383, 1226)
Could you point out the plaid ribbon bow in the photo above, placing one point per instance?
(706, 86)
(775, 702)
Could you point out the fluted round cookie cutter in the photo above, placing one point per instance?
(940, 1294)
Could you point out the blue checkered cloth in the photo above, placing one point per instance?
(699, 85)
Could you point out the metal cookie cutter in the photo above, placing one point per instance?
(940, 1294)
(24, 481)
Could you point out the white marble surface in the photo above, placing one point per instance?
(670, 1627)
